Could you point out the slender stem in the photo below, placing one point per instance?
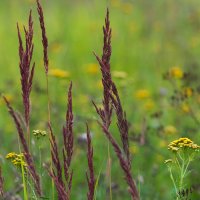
(24, 183)
(172, 178)
(23, 177)
(49, 122)
(109, 169)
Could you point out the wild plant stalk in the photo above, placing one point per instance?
(104, 62)
(27, 154)
(68, 140)
(90, 172)
(26, 70)
(111, 98)
(63, 187)
(56, 173)
(46, 67)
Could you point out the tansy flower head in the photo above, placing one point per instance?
(11, 155)
(183, 143)
(16, 159)
(59, 73)
(39, 133)
(176, 72)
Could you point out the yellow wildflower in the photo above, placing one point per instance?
(39, 133)
(59, 73)
(176, 72)
(142, 94)
(119, 74)
(170, 130)
(11, 155)
(92, 68)
(187, 91)
(183, 143)
(185, 108)
(17, 159)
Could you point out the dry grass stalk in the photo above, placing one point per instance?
(104, 62)
(26, 70)
(44, 37)
(68, 141)
(111, 99)
(90, 172)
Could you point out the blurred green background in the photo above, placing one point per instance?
(148, 38)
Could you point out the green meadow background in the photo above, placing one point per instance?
(148, 39)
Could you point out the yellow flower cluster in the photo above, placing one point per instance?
(176, 72)
(183, 143)
(39, 133)
(16, 159)
(187, 91)
(59, 73)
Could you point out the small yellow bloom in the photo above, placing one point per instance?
(119, 74)
(39, 133)
(176, 72)
(185, 108)
(183, 143)
(187, 91)
(92, 68)
(170, 130)
(59, 73)
(11, 155)
(142, 94)
(16, 159)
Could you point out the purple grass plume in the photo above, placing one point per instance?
(63, 187)
(44, 37)
(1, 183)
(122, 122)
(90, 172)
(26, 68)
(111, 99)
(104, 62)
(57, 176)
(27, 155)
(68, 139)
